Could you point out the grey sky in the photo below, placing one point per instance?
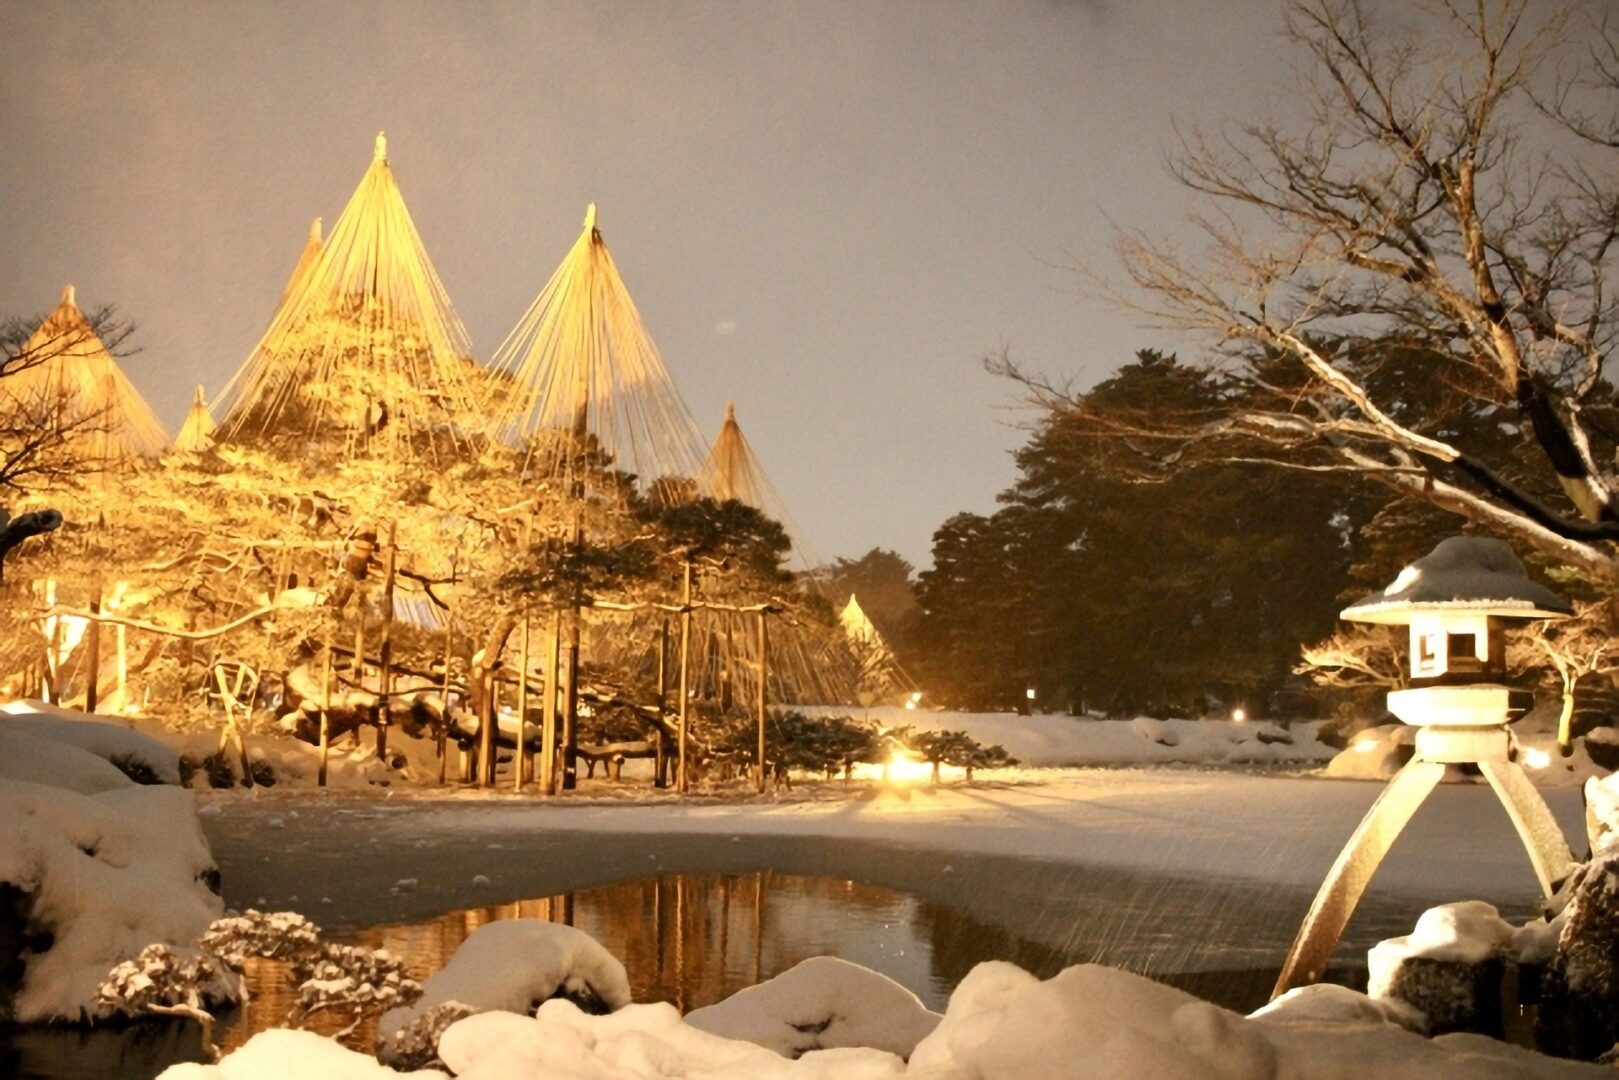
(828, 212)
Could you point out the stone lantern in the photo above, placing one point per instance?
(1457, 601)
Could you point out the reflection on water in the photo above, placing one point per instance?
(689, 939)
(695, 939)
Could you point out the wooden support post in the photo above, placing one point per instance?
(386, 648)
(520, 754)
(123, 672)
(660, 763)
(548, 721)
(764, 678)
(92, 656)
(488, 717)
(444, 708)
(570, 704)
(53, 658)
(685, 666)
(325, 710)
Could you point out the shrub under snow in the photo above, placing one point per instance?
(511, 965)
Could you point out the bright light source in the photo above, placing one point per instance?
(916, 696)
(1366, 746)
(910, 703)
(1536, 758)
(1239, 715)
(1029, 693)
(903, 769)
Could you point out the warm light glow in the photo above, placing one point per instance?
(1239, 715)
(908, 770)
(916, 696)
(1029, 693)
(1366, 746)
(1536, 758)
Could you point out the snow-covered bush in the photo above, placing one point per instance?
(512, 965)
(167, 981)
(353, 979)
(276, 935)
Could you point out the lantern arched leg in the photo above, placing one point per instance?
(1542, 837)
(1347, 880)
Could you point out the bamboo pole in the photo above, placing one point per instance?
(764, 678)
(548, 722)
(386, 648)
(325, 710)
(685, 665)
(520, 760)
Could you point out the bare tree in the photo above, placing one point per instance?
(1450, 195)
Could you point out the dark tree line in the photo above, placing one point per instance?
(1101, 587)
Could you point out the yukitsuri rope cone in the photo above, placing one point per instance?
(580, 375)
(196, 433)
(76, 381)
(365, 353)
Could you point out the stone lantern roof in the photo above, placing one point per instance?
(1472, 574)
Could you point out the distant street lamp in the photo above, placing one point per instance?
(1456, 601)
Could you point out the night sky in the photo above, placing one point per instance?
(828, 212)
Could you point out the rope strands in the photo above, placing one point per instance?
(579, 375)
(365, 349)
(73, 379)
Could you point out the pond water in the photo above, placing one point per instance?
(689, 939)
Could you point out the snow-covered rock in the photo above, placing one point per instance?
(1579, 1009)
(511, 965)
(104, 875)
(820, 1004)
(109, 738)
(1449, 967)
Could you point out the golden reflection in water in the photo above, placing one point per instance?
(689, 939)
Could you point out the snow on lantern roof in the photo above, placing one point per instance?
(1475, 574)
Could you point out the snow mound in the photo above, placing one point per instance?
(639, 1042)
(282, 1052)
(1088, 1021)
(105, 737)
(819, 1004)
(105, 875)
(511, 965)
